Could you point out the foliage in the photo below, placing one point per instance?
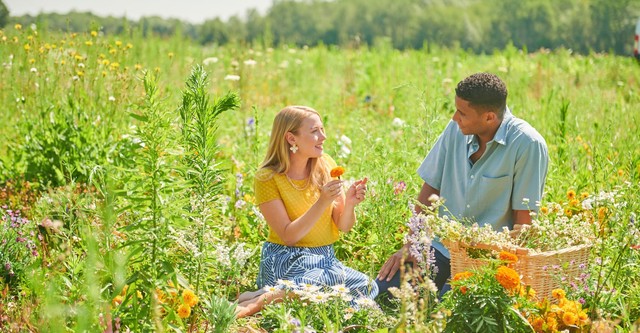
(383, 109)
(486, 299)
(323, 309)
(583, 26)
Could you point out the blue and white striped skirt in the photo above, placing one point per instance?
(311, 265)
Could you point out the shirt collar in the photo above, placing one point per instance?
(501, 135)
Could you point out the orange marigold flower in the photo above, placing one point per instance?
(537, 324)
(552, 324)
(508, 257)
(571, 194)
(462, 276)
(117, 300)
(507, 277)
(464, 289)
(558, 293)
(337, 172)
(602, 213)
(569, 318)
(189, 298)
(544, 210)
(184, 311)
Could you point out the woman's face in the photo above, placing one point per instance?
(310, 137)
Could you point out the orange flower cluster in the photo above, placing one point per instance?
(508, 278)
(508, 257)
(337, 172)
(564, 315)
(184, 302)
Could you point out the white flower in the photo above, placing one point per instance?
(112, 99)
(232, 77)
(34, 70)
(284, 64)
(210, 60)
(250, 62)
(81, 65)
(345, 139)
(397, 122)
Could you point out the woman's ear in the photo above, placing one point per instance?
(290, 138)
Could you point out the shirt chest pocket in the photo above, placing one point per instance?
(494, 193)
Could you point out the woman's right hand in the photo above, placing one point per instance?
(331, 190)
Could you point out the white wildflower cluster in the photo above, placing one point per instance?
(230, 256)
(345, 146)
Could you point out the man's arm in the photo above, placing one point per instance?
(521, 217)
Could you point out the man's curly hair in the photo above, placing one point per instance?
(484, 90)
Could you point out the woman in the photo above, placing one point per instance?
(305, 210)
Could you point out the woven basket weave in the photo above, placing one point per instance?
(530, 265)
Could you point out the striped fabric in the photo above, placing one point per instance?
(311, 265)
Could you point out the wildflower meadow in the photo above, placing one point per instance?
(126, 183)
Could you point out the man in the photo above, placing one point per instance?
(487, 165)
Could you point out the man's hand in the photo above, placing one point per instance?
(392, 264)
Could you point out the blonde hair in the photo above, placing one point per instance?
(277, 160)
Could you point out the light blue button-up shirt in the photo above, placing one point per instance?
(512, 168)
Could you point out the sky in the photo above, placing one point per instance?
(194, 11)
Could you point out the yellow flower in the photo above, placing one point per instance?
(94, 33)
(189, 298)
(129, 45)
(568, 212)
(602, 213)
(569, 318)
(117, 300)
(507, 277)
(584, 195)
(552, 324)
(537, 324)
(544, 210)
(184, 311)
(571, 194)
(18, 26)
(138, 67)
(620, 172)
(170, 54)
(118, 43)
(558, 293)
(27, 47)
(88, 43)
(574, 203)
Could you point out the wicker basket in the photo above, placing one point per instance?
(530, 265)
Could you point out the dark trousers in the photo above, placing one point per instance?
(442, 277)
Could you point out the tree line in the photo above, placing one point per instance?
(476, 25)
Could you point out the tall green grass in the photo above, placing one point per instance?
(146, 217)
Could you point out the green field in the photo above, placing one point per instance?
(120, 201)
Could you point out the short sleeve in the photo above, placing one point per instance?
(530, 175)
(265, 186)
(431, 169)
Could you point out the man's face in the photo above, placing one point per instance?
(469, 119)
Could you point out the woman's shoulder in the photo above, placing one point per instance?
(265, 174)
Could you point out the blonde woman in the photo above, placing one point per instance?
(306, 210)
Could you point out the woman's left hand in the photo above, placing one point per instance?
(357, 191)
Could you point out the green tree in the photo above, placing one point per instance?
(4, 14)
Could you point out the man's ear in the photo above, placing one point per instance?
(490, 116)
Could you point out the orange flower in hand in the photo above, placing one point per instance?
(337, 172)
